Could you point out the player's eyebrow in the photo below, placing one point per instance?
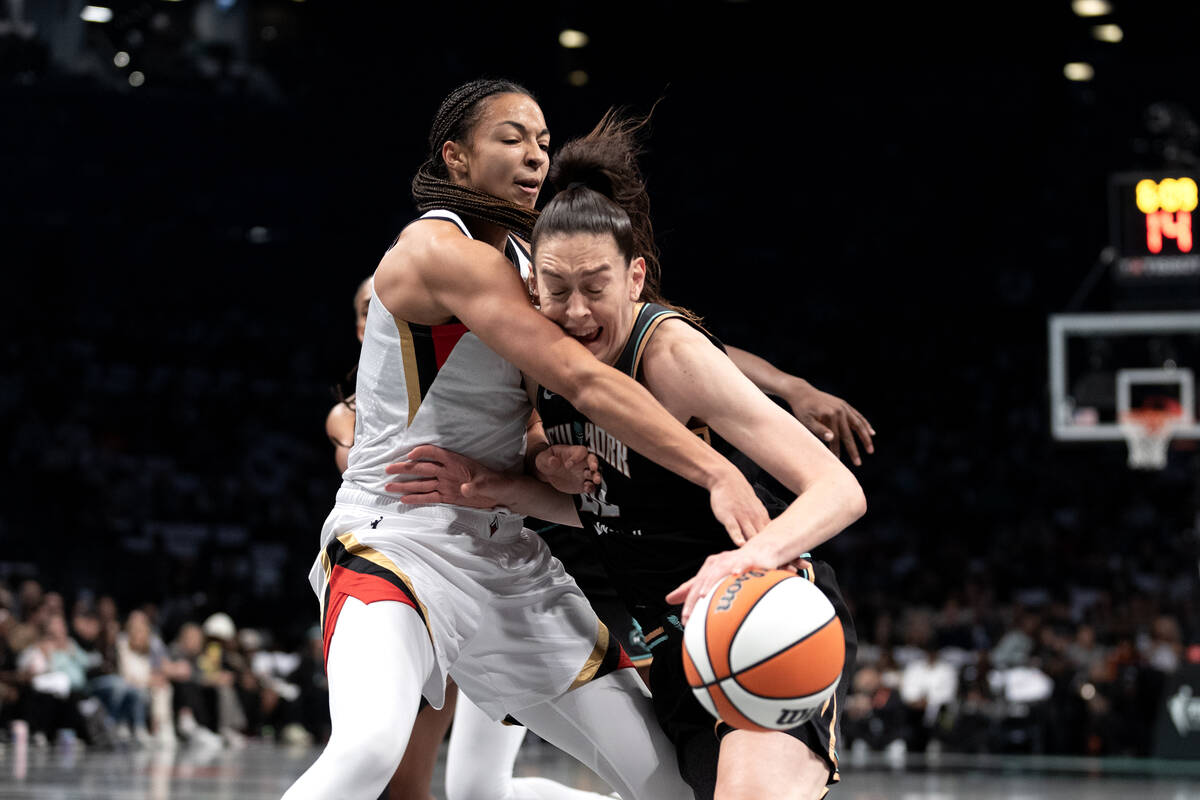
(587, 273)
(523, 129)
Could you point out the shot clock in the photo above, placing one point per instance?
(1152, 226)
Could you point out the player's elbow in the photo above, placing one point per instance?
(854, 498)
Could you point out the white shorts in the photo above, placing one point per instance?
(505, 619)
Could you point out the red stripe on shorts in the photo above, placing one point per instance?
(369, 589)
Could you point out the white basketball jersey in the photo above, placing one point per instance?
(432, 384)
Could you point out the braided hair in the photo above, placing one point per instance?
(432, 187)
(601, 191)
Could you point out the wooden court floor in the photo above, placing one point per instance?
(263, 771)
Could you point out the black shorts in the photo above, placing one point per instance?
(696, 734)
(577, 550)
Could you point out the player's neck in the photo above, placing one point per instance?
(489, 232)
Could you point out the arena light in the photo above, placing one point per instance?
(1091, 8)
(577, 78)
(96, 14)
(1079, 71)
(136, 79)
(121, 59)
(573, 39)
(1108, 33)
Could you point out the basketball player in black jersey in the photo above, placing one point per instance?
(662, 548)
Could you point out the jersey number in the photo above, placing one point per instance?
(597, 503)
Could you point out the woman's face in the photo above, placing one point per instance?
(584, 284)
(138, 629)
(191, 639)
(507, 152)
(56, 628)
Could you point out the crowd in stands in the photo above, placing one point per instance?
(90, 673)
(996, 656)
(1016, 680)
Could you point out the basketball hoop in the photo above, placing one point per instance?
(1148, 433)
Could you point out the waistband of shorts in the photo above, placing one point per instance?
(495, 524)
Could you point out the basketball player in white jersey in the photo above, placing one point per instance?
(410, 595)
(413, 778)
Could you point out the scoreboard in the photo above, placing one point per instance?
(1152, 227)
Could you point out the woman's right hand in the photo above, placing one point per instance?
(436, 475)
(736, 506)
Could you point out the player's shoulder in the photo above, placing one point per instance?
(425, 241)
(442, 254)
(675, 336)
(680, 363)
(340, 418)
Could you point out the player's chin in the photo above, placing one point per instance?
(524, 199)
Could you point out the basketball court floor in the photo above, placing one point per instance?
(264, 771)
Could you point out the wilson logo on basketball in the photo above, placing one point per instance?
(793, 716)
(726, 601)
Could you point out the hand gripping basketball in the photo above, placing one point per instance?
(764, 650)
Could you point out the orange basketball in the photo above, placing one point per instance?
(764, 650)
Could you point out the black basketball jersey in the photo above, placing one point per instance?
(654, 528)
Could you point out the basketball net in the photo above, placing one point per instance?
(1148, 433)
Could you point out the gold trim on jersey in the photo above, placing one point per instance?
(408, 349)
(595, 659)
(648, 332)
(356, 548)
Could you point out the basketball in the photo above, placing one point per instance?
(764, 650)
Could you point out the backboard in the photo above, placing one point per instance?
(1110, 372)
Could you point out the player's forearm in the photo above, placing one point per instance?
(826, 507)
(530, 497)
(626, 410)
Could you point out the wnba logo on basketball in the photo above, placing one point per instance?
(726, 601)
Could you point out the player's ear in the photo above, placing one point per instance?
(455, 156)
(637, 277)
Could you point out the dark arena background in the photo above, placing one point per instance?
(892, 202)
